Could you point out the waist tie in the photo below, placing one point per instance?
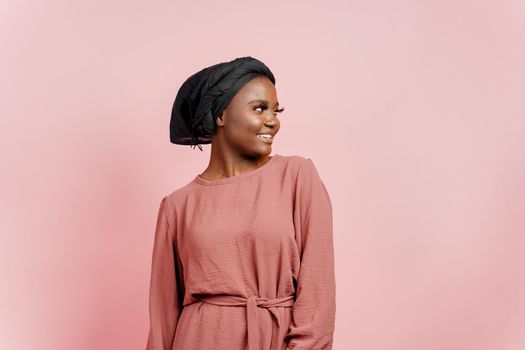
(251, 305)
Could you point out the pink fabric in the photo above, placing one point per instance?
(245, 262)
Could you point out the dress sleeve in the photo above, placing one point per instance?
(313, 313)
(166, 287)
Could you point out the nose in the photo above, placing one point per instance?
(270, 122)
(271, 118)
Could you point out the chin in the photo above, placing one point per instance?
(261, 152)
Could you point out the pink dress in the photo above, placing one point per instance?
(245, 262)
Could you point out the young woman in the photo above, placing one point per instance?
(243, 254)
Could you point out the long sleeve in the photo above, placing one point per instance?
(166, 287)
(313, 313)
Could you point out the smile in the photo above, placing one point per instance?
(265, 137)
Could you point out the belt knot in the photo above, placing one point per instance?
(251, 304)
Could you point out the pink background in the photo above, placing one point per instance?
(412, 111)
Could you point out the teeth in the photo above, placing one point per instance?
(266, 136)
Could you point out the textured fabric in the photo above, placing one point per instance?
(205, 94)
(245, 262)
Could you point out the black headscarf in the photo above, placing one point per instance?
(205, 94)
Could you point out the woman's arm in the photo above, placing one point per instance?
(166, 287)
(313, 312)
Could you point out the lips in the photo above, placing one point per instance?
(268, 138)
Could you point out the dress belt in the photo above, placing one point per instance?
(251, 305)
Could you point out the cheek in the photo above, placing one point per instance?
(251, 123)
(244, 127)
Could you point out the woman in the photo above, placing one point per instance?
(243, 254)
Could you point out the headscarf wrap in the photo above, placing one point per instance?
(205, 94)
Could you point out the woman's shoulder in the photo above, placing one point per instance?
(179, 194)
(295, 160)
(300, 162)
(302, 167)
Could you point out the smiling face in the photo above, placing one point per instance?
(252, 111)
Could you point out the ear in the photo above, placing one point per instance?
(220, 119)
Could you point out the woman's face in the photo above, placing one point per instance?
(252, 111)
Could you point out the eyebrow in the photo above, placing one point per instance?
(262, 101)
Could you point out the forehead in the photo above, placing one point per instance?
(258, 87)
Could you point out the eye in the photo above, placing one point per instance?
(263, 107)
(279, 110)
